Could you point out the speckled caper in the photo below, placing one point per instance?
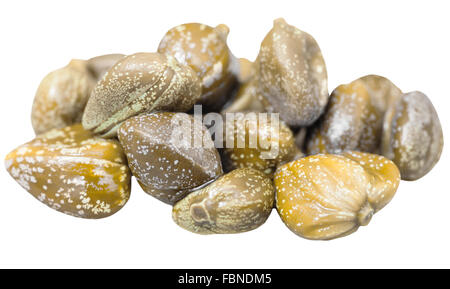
(237, 202)
(412, 135)
(257, 143)
(73, 172)
(328, 196)
(61, 97)
(292, 75)
(99, 65)
(384, 174)
(205, 50)
(381, 90)
(166, 165)
(351, 122)
(141, 82)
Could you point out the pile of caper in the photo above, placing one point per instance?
(339, 156)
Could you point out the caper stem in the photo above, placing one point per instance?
(365, 215)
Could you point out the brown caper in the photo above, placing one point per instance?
(163, 156)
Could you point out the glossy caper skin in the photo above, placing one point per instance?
(165, 167)
(412, 135)
(72, 171)
(237, 202)
(328, 196)
(204, 49)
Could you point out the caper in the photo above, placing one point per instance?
(237, 202)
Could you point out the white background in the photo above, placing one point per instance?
(406, 41)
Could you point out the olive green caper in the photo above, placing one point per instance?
(257, 142)
(239, 201)
(350, 122)
(292, 75)
(61, 97)
(205, 50)
(73, 172)
(381, 90)
(353, 119)
(142, 82)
